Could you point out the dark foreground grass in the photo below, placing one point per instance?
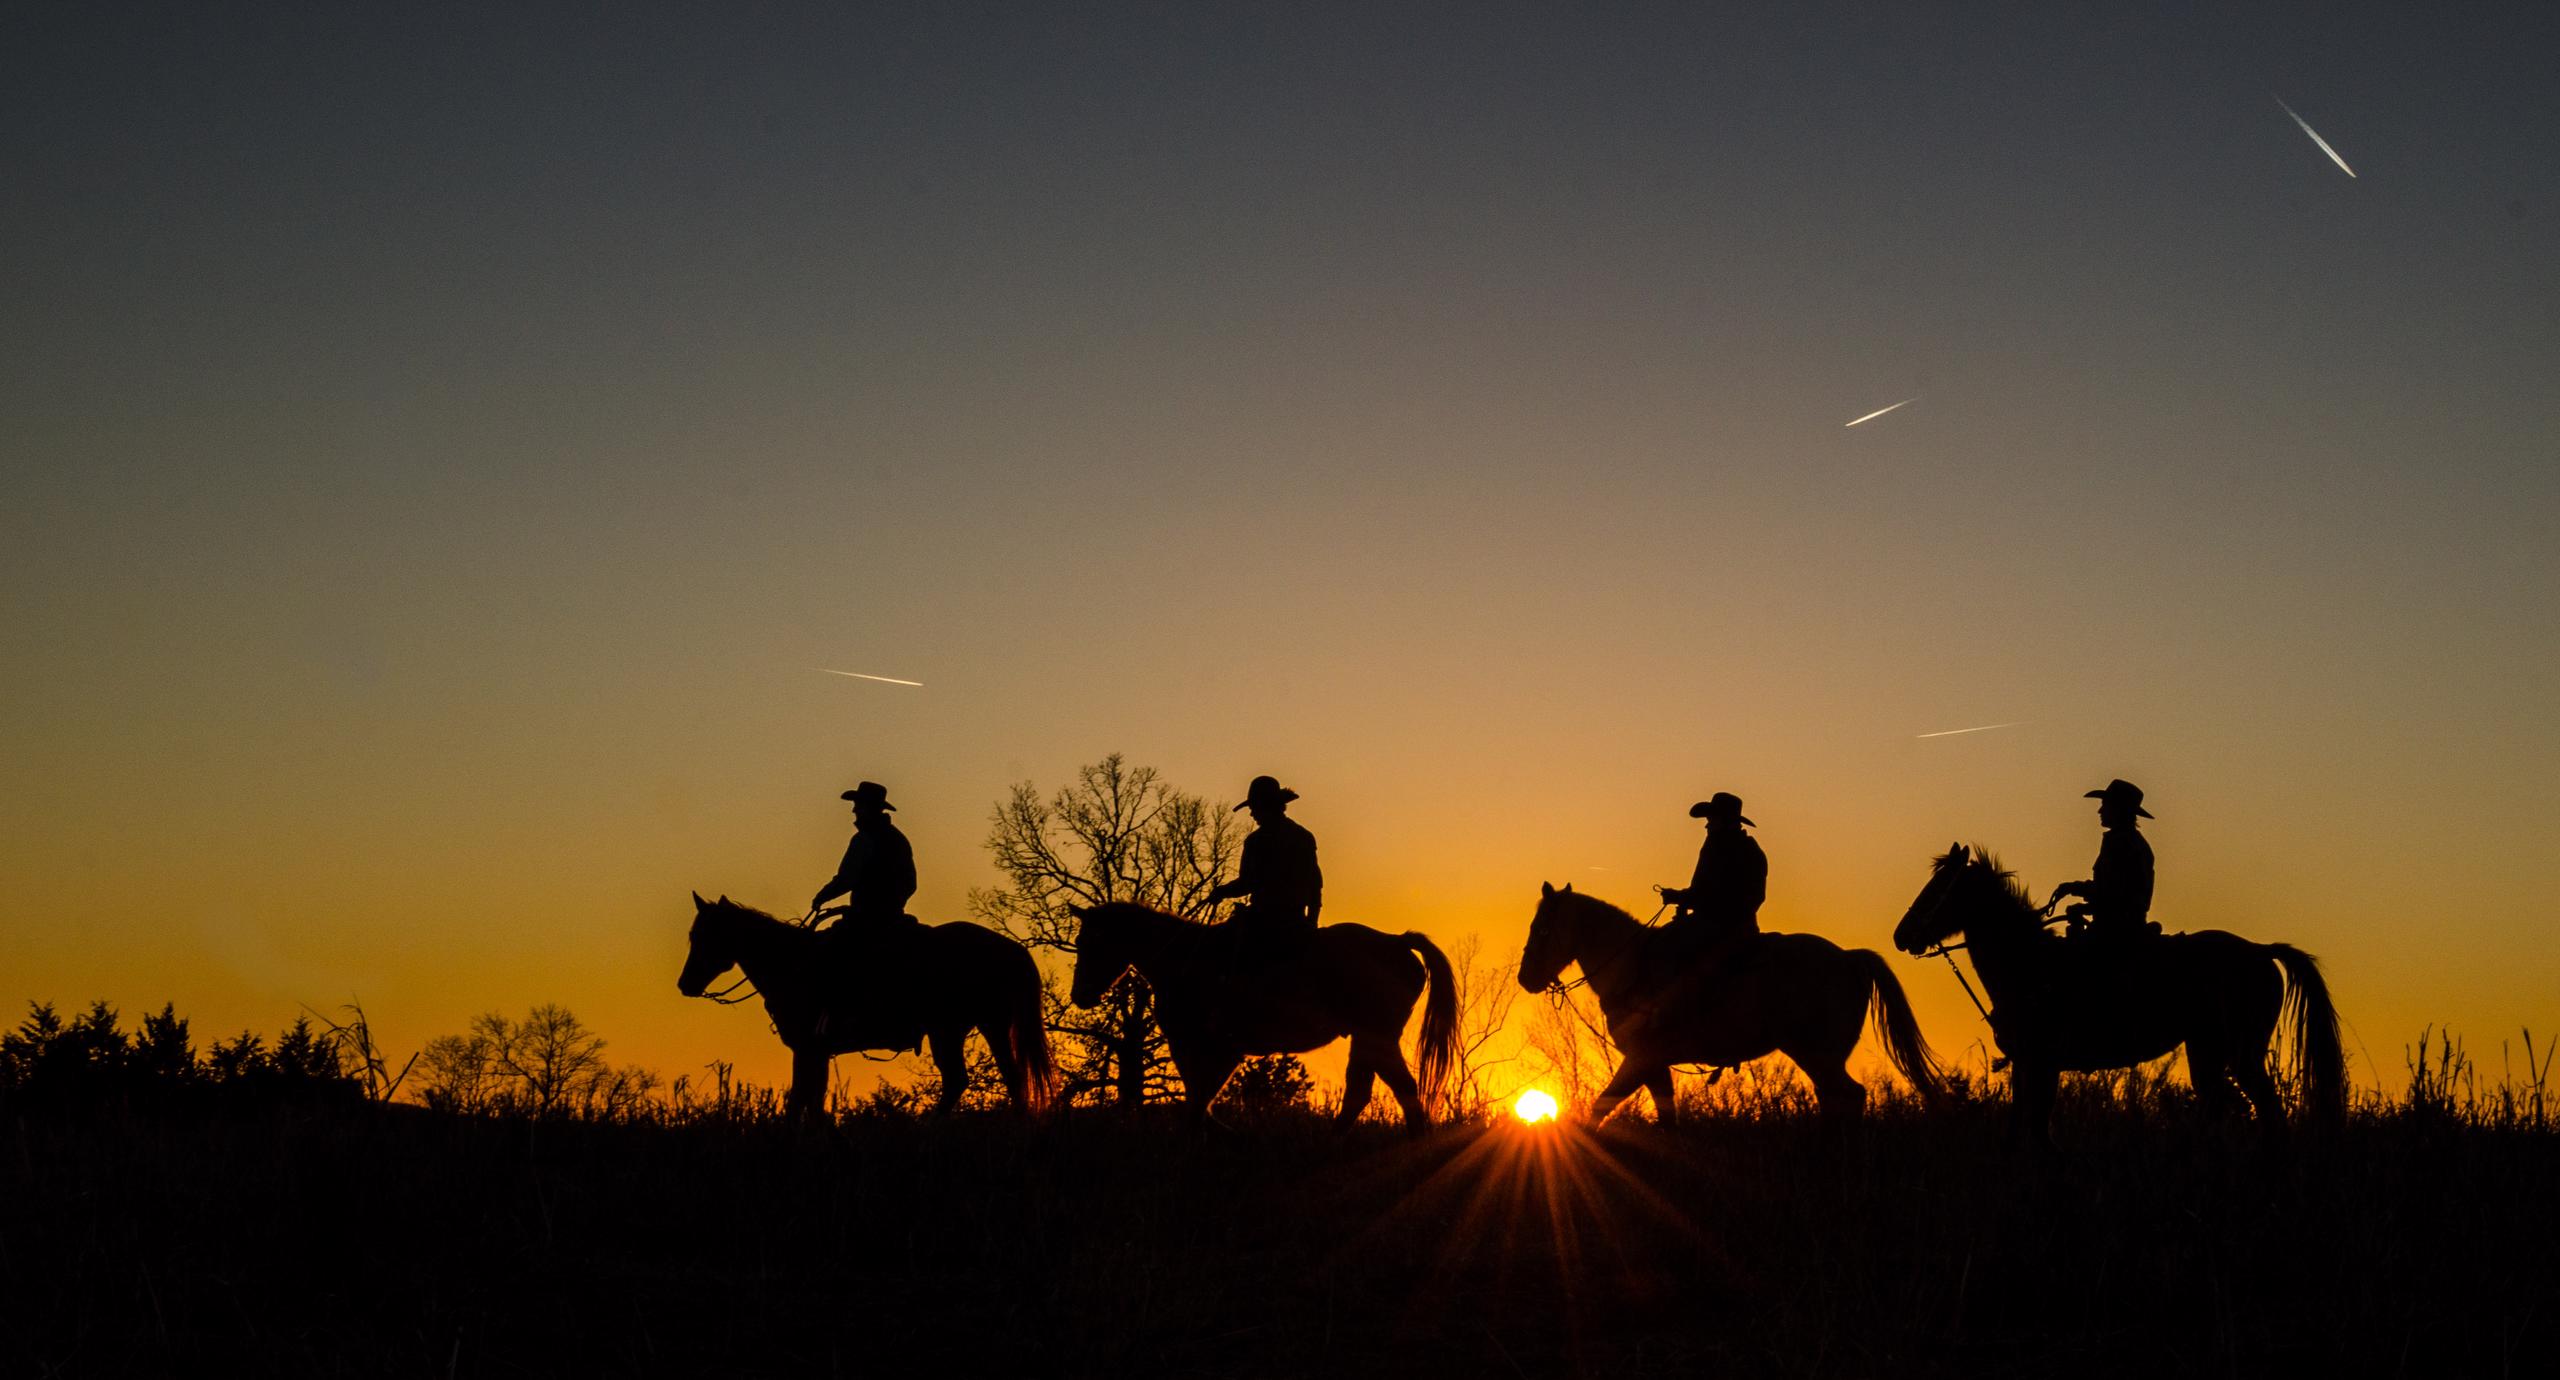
(391, 1242)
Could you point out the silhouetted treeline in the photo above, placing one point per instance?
(52, 1060)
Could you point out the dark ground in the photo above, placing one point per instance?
(393, 1242)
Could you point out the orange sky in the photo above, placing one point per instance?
(442, 457)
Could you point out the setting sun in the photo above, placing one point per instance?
(1534, 1106)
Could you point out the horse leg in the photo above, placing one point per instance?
(951, 1060)
(2031, 1096)
(1622, 1085)
(2260, 1088)
(1359, 1075)
(1399, 1081)
(1841, 1099)
(1666, 1096)
(2209, 1073)
(1204, 1075)
(1008, 1067)
(807, 1100)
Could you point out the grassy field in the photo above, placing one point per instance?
(368, 1240)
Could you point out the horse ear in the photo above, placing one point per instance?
(1957, 852)
(1080, 912)
(1548, 888)
(1568, 888)
(699, 903)
(724, 899)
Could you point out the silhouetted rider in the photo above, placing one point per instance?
(878, 873)
(1719, 910)
(2118, 891)
(1278, 871)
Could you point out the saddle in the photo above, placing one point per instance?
(878, 998)
(2092, 981)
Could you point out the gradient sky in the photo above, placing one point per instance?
(441, 444)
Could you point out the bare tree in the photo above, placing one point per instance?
(1117, 833)
(550, 1056)
(458, 1073)
(548, 1064)
(1488, 1051)
(1568, 1045)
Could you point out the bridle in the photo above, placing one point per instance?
(725, 995)
(1560, 992)
(1945, 950)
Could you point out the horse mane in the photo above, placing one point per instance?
(740, 910)
(1985, 859)
(1610, 907)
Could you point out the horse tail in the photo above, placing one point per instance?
(1439, 1045)
(1890, 1012)
(1027, 1031)
(2318, 1062)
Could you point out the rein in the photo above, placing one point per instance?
(1559, 991)
(806, 922)
(1945, 950)
(1559, 994)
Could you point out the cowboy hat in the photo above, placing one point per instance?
(1722, 801)
(1267, 790)
(2121, 792)
(870, 793)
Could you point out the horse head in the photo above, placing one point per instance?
(1102, 952)
(713, 944)
(1551, 938)
(1937, 914)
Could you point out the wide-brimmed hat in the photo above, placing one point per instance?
(2121, 792)
(1722, 802)
(870, 793)
(1267, 790)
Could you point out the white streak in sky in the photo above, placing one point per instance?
(2315, 138)
(857, 675)
(1951, 732)
(1906, 402)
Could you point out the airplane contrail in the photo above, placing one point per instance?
(1985, 728)
(1906, 402)
(857, 675)
(2315, 138)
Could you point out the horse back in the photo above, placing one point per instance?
(1357, 948)
(968, 943)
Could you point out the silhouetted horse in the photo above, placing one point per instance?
(959, 976)
(2085, 1004)
(1795, 994)
(1340, 980)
